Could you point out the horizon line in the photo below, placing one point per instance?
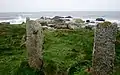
(64, 11)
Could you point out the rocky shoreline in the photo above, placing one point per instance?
(59, 22)
(67, 22)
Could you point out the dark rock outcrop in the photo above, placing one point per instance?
(57, 17)
(88, 21)
(100, 19)
(5, 23)
(69, 17)
(42, 17)
(92, 22)
(43, 23)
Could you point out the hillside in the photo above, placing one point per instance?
(64, 50)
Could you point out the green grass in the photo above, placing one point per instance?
(67, 47)
(11, 54)
(64, 50)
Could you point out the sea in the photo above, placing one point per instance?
(19, 17)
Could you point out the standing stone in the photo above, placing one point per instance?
(34, 43)
(104, 49)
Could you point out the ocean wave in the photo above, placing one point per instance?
(17, 20)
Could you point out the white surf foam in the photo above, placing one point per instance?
(110, 20)
(21, 19)
(18, 20)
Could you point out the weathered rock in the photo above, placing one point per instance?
(43, 23)
(79, 21)
(66, 20)
(104, 49)
(61, 26)
(73, 26)
(57, 21)
(34, 43)
(51, 25)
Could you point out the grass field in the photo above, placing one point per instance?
(64, 50)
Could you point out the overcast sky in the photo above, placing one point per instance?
(58, 5)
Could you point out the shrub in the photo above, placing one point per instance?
(79, 21)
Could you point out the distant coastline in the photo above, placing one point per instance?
(19, 17)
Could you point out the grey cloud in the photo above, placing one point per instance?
(58, 5)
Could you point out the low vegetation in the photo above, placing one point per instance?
(105, 24)
(64, 51)
(79, 21)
